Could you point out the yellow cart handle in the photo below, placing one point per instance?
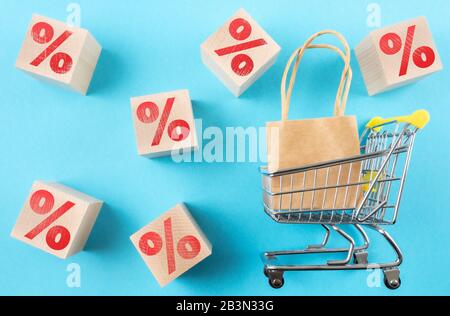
(418, 119)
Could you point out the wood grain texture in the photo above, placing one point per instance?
(81, 46)
(170, 262)
(79, 220)
(381, 71)
(263, 56)
(145, 131)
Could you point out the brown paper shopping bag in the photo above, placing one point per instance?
(293, 144)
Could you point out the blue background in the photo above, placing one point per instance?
(151, 46)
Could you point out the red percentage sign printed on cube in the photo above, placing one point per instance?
(391, 44)
(42, 202)
(43, 33)
(188, 247)
(178, 130)
(240, 29)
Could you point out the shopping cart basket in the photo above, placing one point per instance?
(372, 200)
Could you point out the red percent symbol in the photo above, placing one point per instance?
(240, 30)
(391, 44)
(42, 202)
(42, 33)
(178, 130)
(188, 247)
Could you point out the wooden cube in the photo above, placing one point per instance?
(397, 55)
(56, 219)
(60, 53)
(172, 244)
(239, 52)
(164, 123)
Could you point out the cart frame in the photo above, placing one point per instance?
(383, 166)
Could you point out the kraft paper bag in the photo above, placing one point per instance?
(298, 143)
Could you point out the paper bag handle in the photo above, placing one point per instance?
(346, 78)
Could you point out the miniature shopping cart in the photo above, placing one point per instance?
(371, 199)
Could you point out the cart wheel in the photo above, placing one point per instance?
(393, 284)
(276, 283)
(392, 279)
(361, 257)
